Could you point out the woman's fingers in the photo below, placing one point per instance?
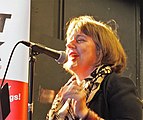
(72, 91)
(76, 93)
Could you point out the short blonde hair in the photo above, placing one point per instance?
(106, 40)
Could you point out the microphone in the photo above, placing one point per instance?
(59, 56)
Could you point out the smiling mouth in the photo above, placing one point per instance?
(73, 56)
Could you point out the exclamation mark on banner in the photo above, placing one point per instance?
(19, 96)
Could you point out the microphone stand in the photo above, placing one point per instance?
(31, 76)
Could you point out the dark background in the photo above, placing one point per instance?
(48, 19)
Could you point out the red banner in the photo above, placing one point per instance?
(18, 100)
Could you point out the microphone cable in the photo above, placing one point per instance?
(9, 63)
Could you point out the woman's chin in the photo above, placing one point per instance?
(73, 65)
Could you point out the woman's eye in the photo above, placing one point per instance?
(80, 40)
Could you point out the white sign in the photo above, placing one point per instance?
(14, 27)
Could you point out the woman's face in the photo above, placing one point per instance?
(81, 51)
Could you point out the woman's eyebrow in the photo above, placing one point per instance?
(80, 35)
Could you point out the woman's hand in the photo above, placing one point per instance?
(78, 96)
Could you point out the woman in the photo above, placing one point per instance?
(96, 91)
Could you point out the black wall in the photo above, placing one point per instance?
(48, 18)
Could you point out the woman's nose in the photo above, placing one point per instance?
(71, 45)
